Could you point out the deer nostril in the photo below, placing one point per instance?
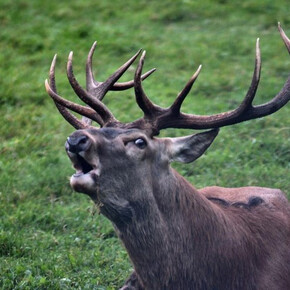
(76, 144)
(82, 139)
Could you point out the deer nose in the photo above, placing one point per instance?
(76, 144)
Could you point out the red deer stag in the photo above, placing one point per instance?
(177, 237)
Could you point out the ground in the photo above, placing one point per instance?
(52, 238)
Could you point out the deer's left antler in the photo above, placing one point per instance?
(172, 117)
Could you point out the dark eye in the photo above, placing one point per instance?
(140, 143)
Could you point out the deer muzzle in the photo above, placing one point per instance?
(78, 147)
(77, 144)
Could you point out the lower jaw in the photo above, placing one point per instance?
(81, 173)
(84, 183)
(78, 174)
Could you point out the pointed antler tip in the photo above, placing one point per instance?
(258, 45)
(53, 62)
(92, 49)
(137, 53)
(141, 61)
(70, 59)
(47, 86)
(284, 37)
(195, 75)
(280, 29)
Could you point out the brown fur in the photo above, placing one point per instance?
(208, 246)
(179, 237)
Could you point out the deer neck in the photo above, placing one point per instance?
(174, 214)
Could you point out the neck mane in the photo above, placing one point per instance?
(158, 236)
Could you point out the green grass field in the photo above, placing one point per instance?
(53, 238)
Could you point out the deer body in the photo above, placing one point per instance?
(202, 245)
(177, 237)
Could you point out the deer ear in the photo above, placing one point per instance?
(189, 148)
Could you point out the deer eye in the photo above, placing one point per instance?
(140, 143)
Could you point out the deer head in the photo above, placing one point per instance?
(118, 149)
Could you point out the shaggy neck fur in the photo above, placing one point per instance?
(178, 239)
(178, 232)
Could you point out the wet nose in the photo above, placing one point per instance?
(76, 144)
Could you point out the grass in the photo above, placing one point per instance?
(52, 238)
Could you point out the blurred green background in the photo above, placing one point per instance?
(53, 238)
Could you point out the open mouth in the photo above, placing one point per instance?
(80, 164)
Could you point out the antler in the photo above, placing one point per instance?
(160, 118)
(95, 92)
(156, 118)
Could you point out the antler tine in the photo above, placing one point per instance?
(63, 103)
(284, 37)
(175, 108)
(247, 102)
(108, 84)
(51, 89)
(248, 111)
(143, 101)
(90, 100)
(99, 89)
(127, 85)
(90, 80)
